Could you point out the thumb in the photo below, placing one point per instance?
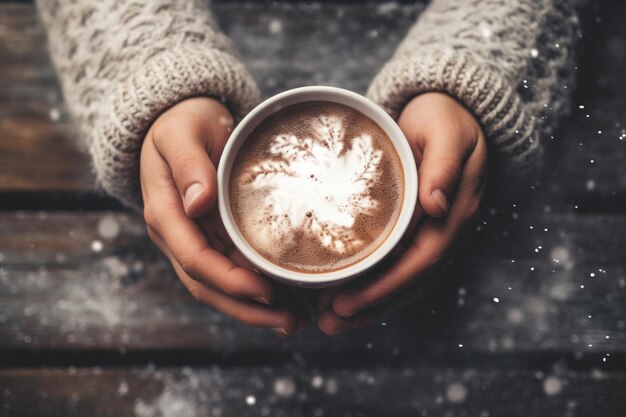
(192, 170)
(439, 174)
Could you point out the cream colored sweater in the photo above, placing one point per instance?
(123, 63)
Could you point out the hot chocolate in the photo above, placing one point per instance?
(316, 187)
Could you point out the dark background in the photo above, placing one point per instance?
(530, 321)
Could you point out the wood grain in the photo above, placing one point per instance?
(558, 288)
(296, 390)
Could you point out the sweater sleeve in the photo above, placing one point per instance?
(121, 64)
(509, 62)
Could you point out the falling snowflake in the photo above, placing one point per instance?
(316, 185)
(552, 386)
(456, 392)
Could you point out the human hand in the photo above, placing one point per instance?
(179, 184)
(450, 151)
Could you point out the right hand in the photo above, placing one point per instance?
(179, 184)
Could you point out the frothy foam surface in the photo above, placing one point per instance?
(316, 187)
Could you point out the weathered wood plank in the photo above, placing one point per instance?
(298, 390)
(36, 155)
(352, 43)
(60, 290)
(43, 238)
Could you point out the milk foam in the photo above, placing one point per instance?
(316, 187)
(313, 186)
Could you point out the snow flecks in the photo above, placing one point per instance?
(187, 393)
(80, 307)
(561, 291)
(122, 389)
(168, 404)
(317, 381)
(552, 386)
(485, 30)
(285, 386)
(332, 386)
(93, 307)
(560, 255)
(108, 228)
(387, 8)
(456, 392)
(275, 26)
(54, 114)
(515, 316)
(97, 246)
(507, 343)
(537, 306)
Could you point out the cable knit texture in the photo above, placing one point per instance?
(121, 64)
(509, 62)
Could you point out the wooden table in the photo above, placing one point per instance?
(530, 322)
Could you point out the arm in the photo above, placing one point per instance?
(505, 61)
(122, 64)
(147, 83)
(470, 76)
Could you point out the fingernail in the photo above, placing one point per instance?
(261, 300)
(279, 331)
(441, 199)
(192, 193)
(336, 302)
(332, 332)
(340, 328)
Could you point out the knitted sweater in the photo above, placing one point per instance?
(509, 61)
(121, 64)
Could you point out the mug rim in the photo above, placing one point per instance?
(276, 103)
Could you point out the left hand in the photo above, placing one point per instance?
(450, 151)
(179, 188)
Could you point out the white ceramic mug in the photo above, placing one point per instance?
(301, 95)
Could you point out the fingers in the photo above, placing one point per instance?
(187, 136)
(214, 270)
(449, 147)
(444, 135)
(281, 320)
(331, 323)
(174, 232)
(178, 181)
(192, 170)
(439, 174)
(431, 245)
(284, 320)
(417, 262)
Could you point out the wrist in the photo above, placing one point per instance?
(432, 113)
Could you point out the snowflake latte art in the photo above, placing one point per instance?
(316, 187)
